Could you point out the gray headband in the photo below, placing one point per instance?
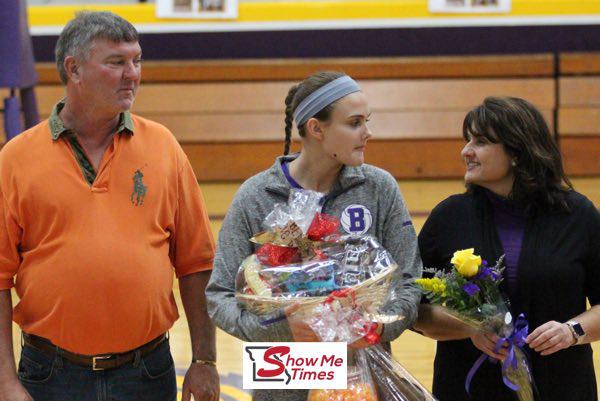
(323, 97)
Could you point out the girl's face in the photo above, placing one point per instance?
(345, 135)
(488, 165)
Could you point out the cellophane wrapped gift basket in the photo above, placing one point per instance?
(340, 285)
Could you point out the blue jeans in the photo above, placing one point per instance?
(151, 378)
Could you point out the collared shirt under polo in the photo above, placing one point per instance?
(58, 130)
(92, 262)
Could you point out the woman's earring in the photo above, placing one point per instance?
(513, 163)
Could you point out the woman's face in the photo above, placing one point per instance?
(345, 135)
(488, 165)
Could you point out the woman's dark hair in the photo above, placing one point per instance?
(540, 180)
(298, 93)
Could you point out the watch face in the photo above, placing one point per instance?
(578, 329)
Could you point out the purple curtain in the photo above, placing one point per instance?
(12, 117)
(17, 69)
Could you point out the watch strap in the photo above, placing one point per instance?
(574, 327)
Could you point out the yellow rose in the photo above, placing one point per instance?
(466, 262)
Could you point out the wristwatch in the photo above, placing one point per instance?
(576, 330)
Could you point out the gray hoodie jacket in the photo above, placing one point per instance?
(366, 199)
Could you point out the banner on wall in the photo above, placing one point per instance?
(203, 9)
(469, 6)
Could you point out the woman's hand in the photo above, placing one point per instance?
(486, 342)
(300, 330)
(550, 337)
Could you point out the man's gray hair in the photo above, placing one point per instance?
(77, 36)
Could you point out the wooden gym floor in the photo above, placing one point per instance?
(413, 351)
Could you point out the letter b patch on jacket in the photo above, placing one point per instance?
(356, 219)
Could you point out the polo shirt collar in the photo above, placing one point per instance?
(57, 128)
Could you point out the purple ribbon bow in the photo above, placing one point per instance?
(516, 338)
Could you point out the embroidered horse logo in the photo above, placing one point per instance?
(139, 189)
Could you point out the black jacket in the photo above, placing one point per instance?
(559, 267)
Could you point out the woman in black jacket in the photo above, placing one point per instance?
(518, 203)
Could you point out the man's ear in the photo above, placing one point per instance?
(314, 128)
(71, 66)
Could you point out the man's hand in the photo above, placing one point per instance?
(550, 337)
(14, 391)
(486, 342)
(11, 388)
(201, 381)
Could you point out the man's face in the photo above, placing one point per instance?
(110, 76)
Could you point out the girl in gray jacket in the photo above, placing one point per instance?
(331, 114)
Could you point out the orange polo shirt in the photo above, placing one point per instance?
(93, 264)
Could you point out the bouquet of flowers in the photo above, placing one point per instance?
(470, 292)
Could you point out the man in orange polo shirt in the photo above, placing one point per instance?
(98, 207)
